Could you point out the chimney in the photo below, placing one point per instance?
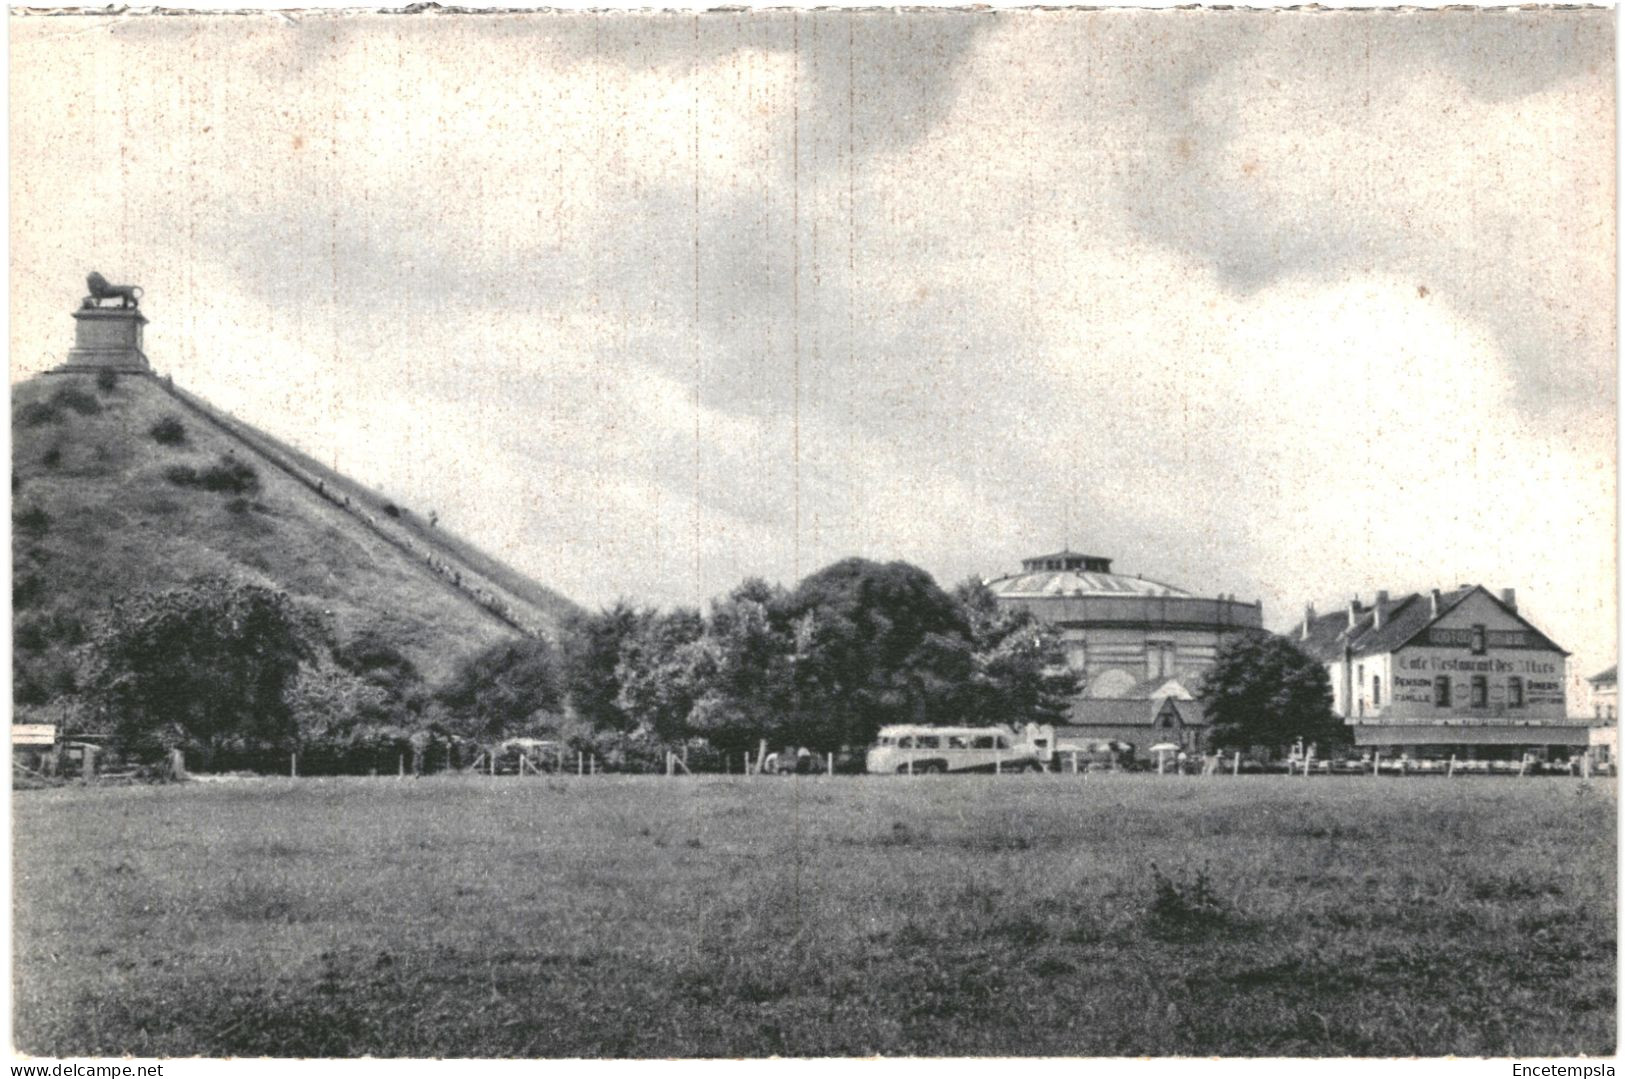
(1509, 596)
(1308, 617)
(1382, 598)
(1433, 604)
(1354, 611)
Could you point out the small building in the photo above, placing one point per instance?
(1445, 673)
(1135, 724)
(1139, 647)
(1605, 694)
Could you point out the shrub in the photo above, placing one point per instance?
(227, 476)
(168, 432)
(1182, 909)
(107, 381)
(32, 522)
(181, 475)
(510, 688)
(230, 476)
(27, 591)
(75, 397)
(27, 689)
(38, 414)
(31, 636)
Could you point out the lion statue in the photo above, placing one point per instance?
(128, 295)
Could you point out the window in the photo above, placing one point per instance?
(1481, 691)
(982, 741)
(1001, 742)
(888, 740)
(1441, 691)
(1376, 691)
(1478, 639)
(958, 741)
(930, 741)
(1514, 692)
(906, 742)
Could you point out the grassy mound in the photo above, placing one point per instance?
(121, 488)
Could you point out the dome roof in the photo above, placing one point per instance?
(1067, 573)
(1080, 583)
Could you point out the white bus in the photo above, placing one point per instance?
(922, 750)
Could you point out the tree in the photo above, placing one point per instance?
(330, 703)
(212, 661)
(1263, 691)
(743, 668)
(875, 644)
(591, 662)
(510, 688)
(661, 672)
(378, 661)
(1019, 670)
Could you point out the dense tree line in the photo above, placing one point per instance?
(853, 647)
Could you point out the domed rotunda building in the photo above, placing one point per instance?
(1141, 646)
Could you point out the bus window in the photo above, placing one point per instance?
(887, 740)
(1001, 742)
(957, 741)
(983, 741)
(906, 742)
(929, 741)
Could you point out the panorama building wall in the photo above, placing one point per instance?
(1136, 643)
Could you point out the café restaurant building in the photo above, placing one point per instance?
(1445, 673)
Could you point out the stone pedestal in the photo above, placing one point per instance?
(107, 339)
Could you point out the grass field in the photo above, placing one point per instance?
(627, 917)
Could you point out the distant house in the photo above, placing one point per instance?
(1458, 672)
(1164, 712)
(1605, 694)
(1605, 717)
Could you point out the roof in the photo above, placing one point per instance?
(1075, 582)
(1111, 712)
(897, 729)
(1402, 619)
(1191, 713)
(1604, 678)
(1061, 555)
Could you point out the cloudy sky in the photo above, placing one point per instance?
(1290, 305)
